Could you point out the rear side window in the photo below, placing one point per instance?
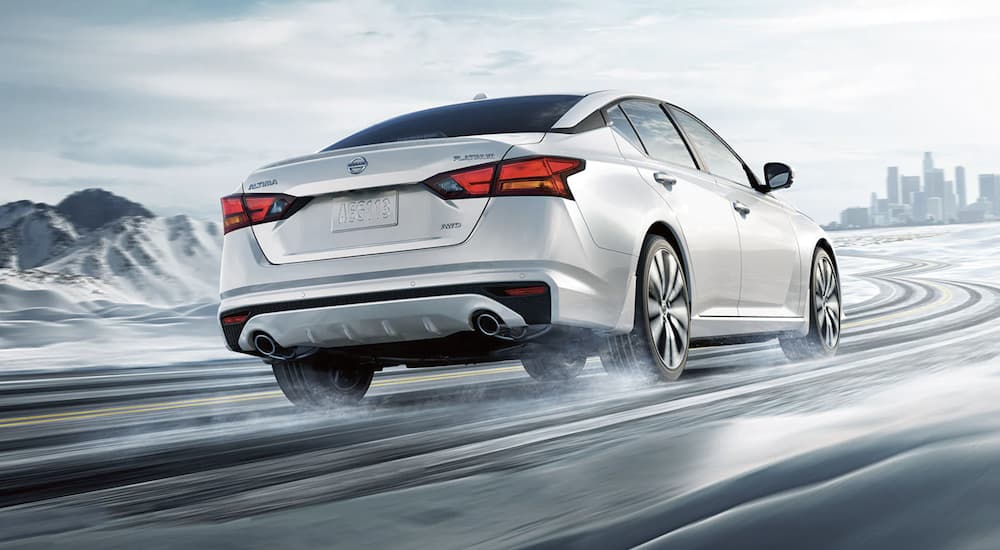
(623, 127)
(488, 116)
(657, 132)
(720, 160)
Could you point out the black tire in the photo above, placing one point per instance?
(825, 304)
(320, 381)
(638, 353)
(554, 366)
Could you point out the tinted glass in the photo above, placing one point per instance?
(623, 127)
(718, 158)
(657, 132)
(488, 116)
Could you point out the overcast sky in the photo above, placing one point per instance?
(173, 103)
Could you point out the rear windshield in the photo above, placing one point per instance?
(535, 113)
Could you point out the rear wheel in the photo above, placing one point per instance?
(823, 337)
(554, 366)
(321, 381)
(657, 346)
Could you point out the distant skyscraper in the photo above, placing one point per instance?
(928, 162)
(892, 185)
(930, 187)
(934, 182)
(949, 206)
(960, 186)
(882, 218)
(908, 186)
(874, 204)
(989, 189)
(919, 206)
(935, 209)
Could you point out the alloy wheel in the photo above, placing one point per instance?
(667, 309)
(826, 302)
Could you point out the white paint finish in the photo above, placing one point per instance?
(424, 219)
(771, 274)
(586, 249)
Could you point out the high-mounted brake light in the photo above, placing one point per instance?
(531, 176)
(245, 210)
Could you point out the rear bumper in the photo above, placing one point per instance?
(518, 239)
(384, 317)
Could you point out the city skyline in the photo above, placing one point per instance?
(928, 198)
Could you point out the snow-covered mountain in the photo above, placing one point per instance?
(31, 233)
(95, 249)
(91, 208)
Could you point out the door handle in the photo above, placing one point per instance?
(664, 178)
(741, 208)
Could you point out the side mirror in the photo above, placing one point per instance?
(778, 175)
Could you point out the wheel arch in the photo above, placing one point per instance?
(801, 346)
(675, 238)
(825, 245)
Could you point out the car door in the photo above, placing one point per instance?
(649, 139)
(770, 279)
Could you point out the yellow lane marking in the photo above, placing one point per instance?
(446, 376)
(944, 299)
(116, 411)
(29, 381)
(188, 403)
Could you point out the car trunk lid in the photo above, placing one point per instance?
(370, 200)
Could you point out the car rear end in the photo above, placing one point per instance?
(412, 230)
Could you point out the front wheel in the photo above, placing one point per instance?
(823, 337)
(320, 381)
(657, 346)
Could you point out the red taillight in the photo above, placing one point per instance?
(265, 208)
(474, 182)
(541, 176)
(537, 290)
(233, 216)
(234, 319)
(245, 210)
(533, 176)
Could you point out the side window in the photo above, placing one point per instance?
(623, 127)
(657, 132)
(720, 160)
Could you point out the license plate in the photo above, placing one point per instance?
(366, 211)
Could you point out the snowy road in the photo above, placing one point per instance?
(459, 456)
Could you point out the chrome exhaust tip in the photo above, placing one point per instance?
(488, 324)
(265, 345)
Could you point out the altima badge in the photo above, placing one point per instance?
(357, 165)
